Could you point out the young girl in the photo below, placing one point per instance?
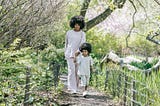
(85, 63)
(74, 38)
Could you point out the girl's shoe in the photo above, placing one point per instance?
(84, 93)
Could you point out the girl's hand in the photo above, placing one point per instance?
(74, 60)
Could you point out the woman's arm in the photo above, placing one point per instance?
(66, 41)
(83, 40)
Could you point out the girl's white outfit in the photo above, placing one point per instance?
(84, 64)
(73, 41)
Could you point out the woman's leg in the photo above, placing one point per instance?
(72, 83)
(77, 76)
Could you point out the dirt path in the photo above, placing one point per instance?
(94, 98)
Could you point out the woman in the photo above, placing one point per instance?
(74, 38)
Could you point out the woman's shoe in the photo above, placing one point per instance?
(73, 92)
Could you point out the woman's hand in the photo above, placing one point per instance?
(77, 53)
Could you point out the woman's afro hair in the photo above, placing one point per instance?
(77, 20)
(86, 46)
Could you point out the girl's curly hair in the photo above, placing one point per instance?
(77, 20)
(86, 46)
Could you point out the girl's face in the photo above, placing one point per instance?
(85, 53)
(76, 27)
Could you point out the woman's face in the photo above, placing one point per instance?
(76, 27)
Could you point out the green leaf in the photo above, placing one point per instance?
(0, 7)
(2, 104)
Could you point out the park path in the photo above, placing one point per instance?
(94, 97)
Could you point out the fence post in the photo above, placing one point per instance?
(113, 84)
(119, 85)
(106, 80)
(133, 93)
(27, 87)
(125, 89)
(96, 78)
(55, 69)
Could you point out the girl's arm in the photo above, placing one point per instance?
(91, 65)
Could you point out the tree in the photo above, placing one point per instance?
(24, 19)
(113, 5)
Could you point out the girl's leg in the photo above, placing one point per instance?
(87, 81)
(85, 86)
(72, 83)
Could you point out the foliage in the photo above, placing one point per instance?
(101, 43)
(112, 79)
(20, 25)
(142, 43)
(14, 65)
(144, 64)
(143, 47)
(24, 19)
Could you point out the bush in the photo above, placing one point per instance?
(144, 65)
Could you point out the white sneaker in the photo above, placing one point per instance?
(85, 93)
(73, 92)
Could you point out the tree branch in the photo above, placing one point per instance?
(151, 37)
(98, 19)
(157, 2)
(143, 8)
(104, 15)
(133, 22)
(119, 3)
(21, 18)
(84, 7)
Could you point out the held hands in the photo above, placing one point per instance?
(77, 53)
(74, 60)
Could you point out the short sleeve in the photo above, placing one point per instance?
(79, 57)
